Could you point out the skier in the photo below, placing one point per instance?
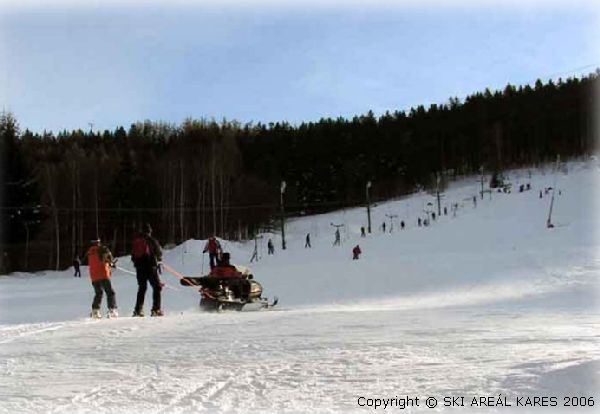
(356, 252)
(383, 226)
(336, 242)
(475, 201)
(419, 221)
(213, 247)
(146, 256)
(270, 247)
(362, 232)
(433, 216)
(235, 280)
(225, 269)
(100, 261)
(77, 266)
(402, 225)
(307, 243)
(540, 193)
(445, 211)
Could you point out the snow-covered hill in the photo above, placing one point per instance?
(481, 302)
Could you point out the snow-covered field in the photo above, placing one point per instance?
(485, 303)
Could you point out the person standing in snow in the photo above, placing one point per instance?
(100, 261)
(213, 247)
(307, 243)
(77, 266)
(362, 232)
(270, 247)
(383, 226)
(402, 225)
(356, 252)
(146, 256)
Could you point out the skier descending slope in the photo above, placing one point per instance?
(146, 256)
(100, 261)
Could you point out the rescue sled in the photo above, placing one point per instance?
(239, 292)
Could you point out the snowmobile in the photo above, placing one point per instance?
(230, 293)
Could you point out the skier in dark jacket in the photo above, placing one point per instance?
(270, 247)
(77, 266)
(146, 255)
(356, 252)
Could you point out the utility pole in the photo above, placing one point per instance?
(368, 207)
(282, 217)
(391, 217)
(549, 221)
(481, 172)
(337, 233)
(437, 191)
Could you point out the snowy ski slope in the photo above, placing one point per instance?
(489, 301)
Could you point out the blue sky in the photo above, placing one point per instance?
(67, 66)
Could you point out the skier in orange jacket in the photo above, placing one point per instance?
(100, 262)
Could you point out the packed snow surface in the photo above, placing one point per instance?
(484, 301)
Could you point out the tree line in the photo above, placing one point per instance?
(204, 177)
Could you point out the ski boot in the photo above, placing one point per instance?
(112, 313)
(137, 313)
(157, 312)
(96, 314)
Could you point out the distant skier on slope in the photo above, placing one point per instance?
(307, 243)
(213, 247)
(146, 256)
(100, 261)
(356, 252)
(77, 266)
(270, 247)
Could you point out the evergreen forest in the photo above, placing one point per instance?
(203, 177)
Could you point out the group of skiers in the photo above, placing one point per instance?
(146, 255)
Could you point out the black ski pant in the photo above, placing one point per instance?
(213, 258)
(145, 276)
(104, 286)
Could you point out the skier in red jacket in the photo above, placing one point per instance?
(356, 252)
(213, 247)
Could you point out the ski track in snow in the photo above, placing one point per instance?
(485, 303)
